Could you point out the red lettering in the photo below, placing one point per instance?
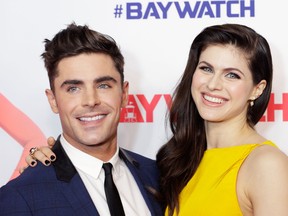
(149, 107)
(131, 112)
(270, 116)
(168, 100)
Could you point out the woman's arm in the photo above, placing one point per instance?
(20, 127)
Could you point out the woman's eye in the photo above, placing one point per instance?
(206, 69)
(233, 76)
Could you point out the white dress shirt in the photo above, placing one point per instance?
(92, 174)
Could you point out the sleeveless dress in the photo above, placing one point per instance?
(212, 190)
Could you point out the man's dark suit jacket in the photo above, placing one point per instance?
(59, 191)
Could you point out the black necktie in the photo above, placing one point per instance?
(112, 195)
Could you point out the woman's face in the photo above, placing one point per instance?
(222, 84)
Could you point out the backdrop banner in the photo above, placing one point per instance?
(155, 38)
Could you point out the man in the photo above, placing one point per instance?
(87, 90)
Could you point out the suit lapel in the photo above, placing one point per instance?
(72, 186)
(76, 193)
(142, 182)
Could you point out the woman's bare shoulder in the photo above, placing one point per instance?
(262, 185)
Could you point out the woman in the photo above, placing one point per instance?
(216, 163)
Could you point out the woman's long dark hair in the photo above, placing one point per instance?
(179, 158)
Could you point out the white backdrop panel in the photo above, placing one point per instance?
(155, 49)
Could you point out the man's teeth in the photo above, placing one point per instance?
(213, 99)
(94, 118)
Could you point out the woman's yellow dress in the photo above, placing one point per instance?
(212, 190)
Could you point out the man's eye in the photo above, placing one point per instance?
(103, 86)
(72, 89)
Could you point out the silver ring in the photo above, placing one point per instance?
(32, 151)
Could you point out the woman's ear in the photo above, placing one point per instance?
(258, 90)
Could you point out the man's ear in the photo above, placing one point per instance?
(52, 100)
(125, 94)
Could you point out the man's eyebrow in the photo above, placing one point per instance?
(105, 78)
(97, 80)
(71, 82)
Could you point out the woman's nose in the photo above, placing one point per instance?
(215, 82)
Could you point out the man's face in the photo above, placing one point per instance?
(88, 97)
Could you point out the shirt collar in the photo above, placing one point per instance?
(88, 164)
